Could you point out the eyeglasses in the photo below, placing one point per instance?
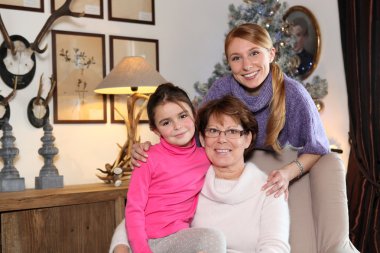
(229, 133)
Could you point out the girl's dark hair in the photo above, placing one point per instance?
(232, 107)
(166, 92)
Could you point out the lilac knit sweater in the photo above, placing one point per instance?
(303, 127)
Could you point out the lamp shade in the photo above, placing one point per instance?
(131, 74)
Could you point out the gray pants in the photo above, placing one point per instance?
(191, 240)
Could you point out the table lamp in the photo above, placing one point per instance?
(135, 77)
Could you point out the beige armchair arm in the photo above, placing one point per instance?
(317, 202)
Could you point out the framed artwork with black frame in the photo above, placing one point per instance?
(30, 5)
(91, 8)
(133, 11)
(130, 46)
(78, 67)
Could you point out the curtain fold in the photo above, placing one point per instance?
(360, 35)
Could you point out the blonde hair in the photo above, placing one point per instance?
(260, 36)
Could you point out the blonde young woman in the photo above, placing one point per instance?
(285, 112)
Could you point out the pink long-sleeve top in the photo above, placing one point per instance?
(163, 193)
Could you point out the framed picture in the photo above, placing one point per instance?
(78, 67)
(134, 11)
(26, 5)
(91, 8)
(129, 46)
(308, 39)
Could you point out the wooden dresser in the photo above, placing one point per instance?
(73, 219)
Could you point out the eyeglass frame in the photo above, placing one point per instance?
(218, 132)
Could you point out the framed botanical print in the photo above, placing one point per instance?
(90, 8)
(134, 11)
(78, 67)
(27, 5)
(130, 46)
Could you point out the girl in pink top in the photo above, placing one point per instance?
(163, 193)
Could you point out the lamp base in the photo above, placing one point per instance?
(122, 161)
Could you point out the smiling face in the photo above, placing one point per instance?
(175, 123)
(249, 63)
(226, 154)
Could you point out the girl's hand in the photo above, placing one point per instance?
(138, 153)
(277, 183)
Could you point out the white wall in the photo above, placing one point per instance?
(190, 35)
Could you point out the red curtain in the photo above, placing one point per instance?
(360, 34)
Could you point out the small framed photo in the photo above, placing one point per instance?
(91, 8)
(133, 11)
(130, 46)
(26, 5)
(78, 67)
(305, 29)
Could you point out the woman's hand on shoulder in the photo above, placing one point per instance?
(138, 153)
(277, 184)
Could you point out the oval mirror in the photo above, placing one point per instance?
(308, 39)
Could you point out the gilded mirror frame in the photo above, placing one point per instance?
(311, 39)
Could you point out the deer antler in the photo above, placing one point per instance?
(49, 95)
(5, 101)
(64, 10)
(7, 38)
(39, 92)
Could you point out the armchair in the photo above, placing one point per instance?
(317, 202)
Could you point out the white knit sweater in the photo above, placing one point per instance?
(250, 220)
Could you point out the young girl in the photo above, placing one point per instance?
(163, 193)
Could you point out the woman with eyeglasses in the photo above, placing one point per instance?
(231, 199)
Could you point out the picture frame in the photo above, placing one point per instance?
(120, 47)
(91, 8)
(31, 5)
(308, 38)
(133, 11)
(78, 67)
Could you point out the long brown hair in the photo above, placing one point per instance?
(260, 36)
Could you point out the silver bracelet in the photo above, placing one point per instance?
(300, 167)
